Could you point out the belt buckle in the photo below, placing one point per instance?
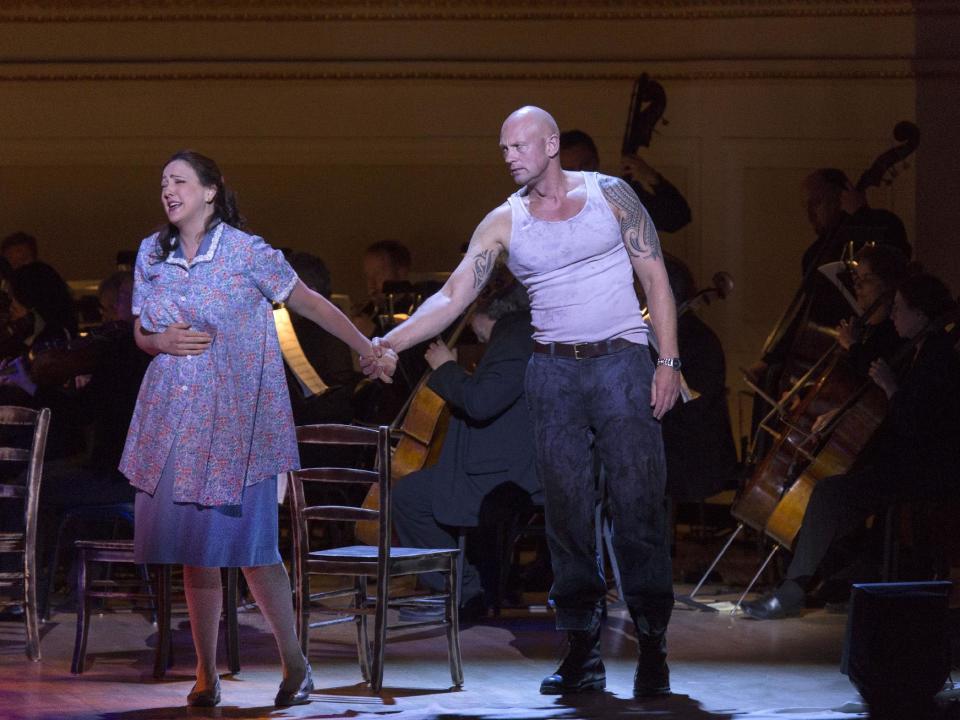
(576, 351)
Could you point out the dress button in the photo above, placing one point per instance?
(183, 298)
(183, 387)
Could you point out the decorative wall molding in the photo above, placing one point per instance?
(39, 11)
(901, 69)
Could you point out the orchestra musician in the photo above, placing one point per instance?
(575, 240)
(488, 443)
(913, 455)
(663, 201)
(841, 219)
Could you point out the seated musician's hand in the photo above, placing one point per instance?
(664, 390)
(438, 354)
(846, 334)
(180, 339)
(882, 374)
(14, 372)
(823, 420)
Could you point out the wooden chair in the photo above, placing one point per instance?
(15, 454)
(159, 595)
(362, 562)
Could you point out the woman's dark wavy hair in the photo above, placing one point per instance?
(224, 202)
(928, 294)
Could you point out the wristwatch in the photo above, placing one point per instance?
(672, 363)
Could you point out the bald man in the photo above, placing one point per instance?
(575, 239)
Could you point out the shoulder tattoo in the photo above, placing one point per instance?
(483, 263)
(639, 234)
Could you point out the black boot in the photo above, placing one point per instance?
(582, 669)
(653, 676)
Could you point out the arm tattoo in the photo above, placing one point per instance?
(482, 267)
(639, 234)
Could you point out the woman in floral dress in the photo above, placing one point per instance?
(213, 425)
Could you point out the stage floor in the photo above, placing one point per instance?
(722, 666)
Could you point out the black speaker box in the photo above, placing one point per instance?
(897, 645)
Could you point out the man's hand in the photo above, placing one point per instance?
(883, 375)
(438, 354)
(179, 339)
(847, 333)
(638, 169)
(382, 363)
(852, 199)
(664, 390)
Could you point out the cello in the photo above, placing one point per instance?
(795, 328)
(840, 442)
(421, 424)
(786, 458)
(421, 427)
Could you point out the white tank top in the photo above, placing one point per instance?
(577, 272)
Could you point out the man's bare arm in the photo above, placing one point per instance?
(462, 287)
(643, 246)
(639, 234)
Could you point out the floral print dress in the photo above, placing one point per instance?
(211, 431)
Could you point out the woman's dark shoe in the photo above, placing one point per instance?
(204, 698)
(770, 607)
(582, 669)
(297, 696)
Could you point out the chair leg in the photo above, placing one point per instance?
(379, 635)
(233, 630)
(83, 615)
(453, 622)
(30, 615)
(363, 638)
(163, 607)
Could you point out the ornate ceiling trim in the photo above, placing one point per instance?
(34, 76)
(41, 11)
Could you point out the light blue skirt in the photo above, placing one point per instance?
(177, 533)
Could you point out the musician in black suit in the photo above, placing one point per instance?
(913, 455)
(662, 200)
(489, 441)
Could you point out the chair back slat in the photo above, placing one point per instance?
(16, 415)
(338, 475)
(339, 513)
(333, 434)
(14, 454)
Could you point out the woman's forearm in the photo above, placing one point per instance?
(324, 313)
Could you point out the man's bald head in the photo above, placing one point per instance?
(530, 142)
(535, 117)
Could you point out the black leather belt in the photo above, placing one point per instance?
(581, 351)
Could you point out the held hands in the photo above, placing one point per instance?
(664, 390)
(179, 339)
(883, 375)
(438, 354)
(381, 363)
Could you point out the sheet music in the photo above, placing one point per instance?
(294, 357)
